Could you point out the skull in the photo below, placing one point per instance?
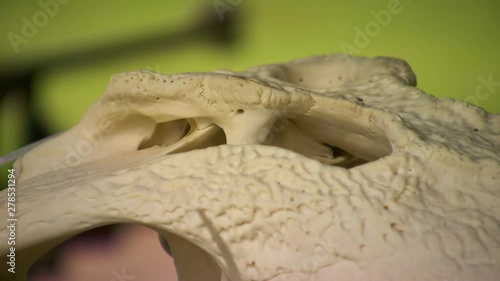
(325, 168)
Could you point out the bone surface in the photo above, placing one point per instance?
(325, 168)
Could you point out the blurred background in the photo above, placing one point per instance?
(56, 56)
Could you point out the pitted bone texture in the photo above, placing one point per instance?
(424, 205)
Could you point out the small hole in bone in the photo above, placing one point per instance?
(240, 111)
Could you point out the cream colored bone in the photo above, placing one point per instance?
(325, 168)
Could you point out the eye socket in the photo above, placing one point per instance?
(167, 133)
(164, 245)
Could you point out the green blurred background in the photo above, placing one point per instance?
(451, 45)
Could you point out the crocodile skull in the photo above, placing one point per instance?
(326, 168)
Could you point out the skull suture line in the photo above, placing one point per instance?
(325, 168)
